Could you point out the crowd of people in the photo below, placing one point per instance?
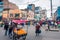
(9, 26)
(50, 23)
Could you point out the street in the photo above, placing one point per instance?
(45, 13)
(45, 35)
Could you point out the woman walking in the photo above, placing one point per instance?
(38, 31)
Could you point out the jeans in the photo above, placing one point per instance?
(6, 32)
(10, 33)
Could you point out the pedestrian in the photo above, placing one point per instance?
(28, 23)
(52, 23)
(37, 31)
(48, 25)
(6, 25)
(10, 29)
(55, 24)
(40, 22)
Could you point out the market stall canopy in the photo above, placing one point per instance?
(19, 21)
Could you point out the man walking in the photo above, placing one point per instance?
(6, 25)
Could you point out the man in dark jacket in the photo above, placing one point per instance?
(6, 25)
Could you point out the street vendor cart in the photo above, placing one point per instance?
(19, 32)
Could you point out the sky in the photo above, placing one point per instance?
(44, 4)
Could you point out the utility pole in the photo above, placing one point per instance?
(51, 6)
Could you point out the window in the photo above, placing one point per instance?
(11, 15)
(23, 15)
(37, 12)
(29, 7)
(37, 8)
(16, 15)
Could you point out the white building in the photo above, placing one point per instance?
(30, 15)
(43, 13)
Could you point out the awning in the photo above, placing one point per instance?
(19, 21)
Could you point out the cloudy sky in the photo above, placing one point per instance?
(45, 4)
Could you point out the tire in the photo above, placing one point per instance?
(14, 37)
(24, 38)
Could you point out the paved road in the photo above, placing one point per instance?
(45, 35)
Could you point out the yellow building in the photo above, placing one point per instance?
(16, 13)
(9, 9)
(4, 14)
(13, 14)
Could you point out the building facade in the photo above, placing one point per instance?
(30, 15)
(24, 14)
(31, 7)
(1, 8)
(8, 6)
(58, 13)
(37, 12)
(43, 13)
